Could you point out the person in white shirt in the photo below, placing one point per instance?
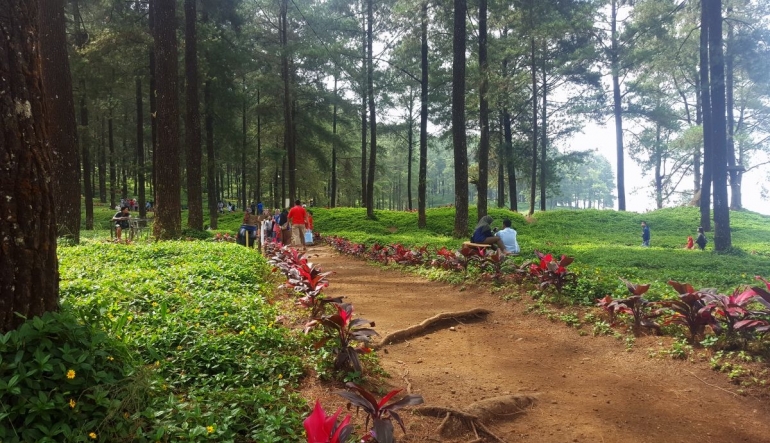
(508, 236)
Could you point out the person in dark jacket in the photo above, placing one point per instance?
(645, 234)
(483, 234)
(283, 220)
(701, 240)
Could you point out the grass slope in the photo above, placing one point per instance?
(606, 244)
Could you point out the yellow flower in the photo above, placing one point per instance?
(225, 314)
(71, 374)
(210, 429)
(178, 348)
(280, 376)
(154, 304)
(72, 403)
(110, 358)
(92, 435)
(241, 333)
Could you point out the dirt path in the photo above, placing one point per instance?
(589, 389)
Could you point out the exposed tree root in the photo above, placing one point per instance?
(472, 418)
(419, 329)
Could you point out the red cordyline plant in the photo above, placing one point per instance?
(446, 259)
(687, 310)
(380, 412)
(636, 305)
(732, 311)
(322, 428)
(346, 330)
(308, 281)
(551, 272)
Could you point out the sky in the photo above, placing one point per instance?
(638, 187)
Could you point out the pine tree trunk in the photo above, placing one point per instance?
(102, 163)
(244, 200)
(458, 120)
(211, 165)
(60, 117)
(113, 178)
(372, 113)
(510, 161)
(287, 101)
(617, 108)
(85, 145)
(500, 166)
(140, 169)
(422, 179)
(153, 102)
(544, 132)
(410, 151)
(483, 158)
(705, 188)
(29, 276)
(735, 169)
(168, 220)
(533, 175)
(192, 119)
(333, 184)
(364, 127)
(722, 236)
(258, 189)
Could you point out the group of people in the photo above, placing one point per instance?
(133, 204)
(287, 226)
(504, 239)
(222, 206)
(701, 239)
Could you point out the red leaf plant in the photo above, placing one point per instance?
(322, 428)
(346, 330)
(380, 412)
(551, 272)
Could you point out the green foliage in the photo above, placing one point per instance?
(605, 244)
(208, 363)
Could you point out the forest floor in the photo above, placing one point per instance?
(587, 389)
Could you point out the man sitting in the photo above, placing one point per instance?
(121, 221)
(508, 236)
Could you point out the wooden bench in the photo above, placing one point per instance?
(476, 245)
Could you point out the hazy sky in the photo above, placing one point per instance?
(639, 187)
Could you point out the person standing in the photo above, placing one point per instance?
(701, 240)
(508, 236)
(298, 218)
(645, 234)
(283, 222)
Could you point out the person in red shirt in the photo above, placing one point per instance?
(298, 218)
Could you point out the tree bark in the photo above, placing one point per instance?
(722, 236)
(287, 101)
(192, 119)
(168, 220)
(153, 100)
(29, 276)
(85, 145)
(60, 117)
(333, 184)
(458, 120)
(544, 131)
(500, 166)
(211, 165)
(483, 184)
(617, 108)
(533, 175)
(422, 180)
(372, 113)
(102, 163)
(364, 127)
(735, 172)
(410, 145)
(244, 144)
(705, 189)
(258, 191)
(111, 144)
(140, 170)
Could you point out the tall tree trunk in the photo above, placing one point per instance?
(333, 184)
(735, 169)
(192, 125)
(29, 276)
(102, 163)
(509, 161)
(533, 175)
(705, 189)
(372, 114)
(113, 178)
(244, 143)
(153, 101)
(458, 120)
(500, 166)
(364, 128)
(722, 236)
(410, 146)
(60, 117)
(168, 220)
(544, 130)
(287, 101)
(696, 156)
(85, 145)
(483, 184)
(123, 162)
(616, 106)
(422, 179)
(658, 169)
(140, 170)
(258, 191)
